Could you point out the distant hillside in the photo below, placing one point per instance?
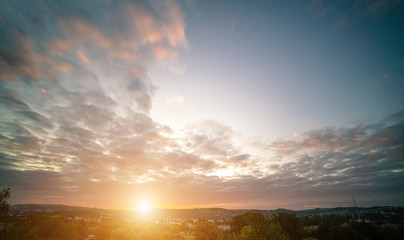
(207, 213)
(346, 210)
(49, 207)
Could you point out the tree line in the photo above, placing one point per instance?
(248, 226)
(288, 226)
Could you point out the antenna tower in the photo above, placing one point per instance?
(356, 208)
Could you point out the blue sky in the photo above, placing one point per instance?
(279, 62)
(196, 103)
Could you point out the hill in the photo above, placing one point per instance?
(207, 213)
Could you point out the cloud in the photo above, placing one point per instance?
(320, 9)
(360, 159)
(75, 101)
(175, 99)
(378, 7)
(343, 13)
(77, 97)
(75, 90)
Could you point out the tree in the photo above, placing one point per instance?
(45, 227)
(248, 233)
(257, 221)
(206, 231)
(346, 233)
(290, 224)
(237, 223)
(274, 232)
(253, 225)
(4, 206)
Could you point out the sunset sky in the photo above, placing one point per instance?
(194, 103)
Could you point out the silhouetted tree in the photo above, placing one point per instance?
(4, 206)
(46, 228)
(344, 233)
(237, 223)
(290, 224)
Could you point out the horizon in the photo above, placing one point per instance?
(183, 104)
(197, 208)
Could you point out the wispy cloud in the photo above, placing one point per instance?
(344, 13)
(75, 101)
(175, 99)
(75, 89)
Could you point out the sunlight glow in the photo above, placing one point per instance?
(143, 207)
(223, 172)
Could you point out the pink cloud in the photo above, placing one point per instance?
(153, 30)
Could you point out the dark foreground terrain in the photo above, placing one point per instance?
(50, 222)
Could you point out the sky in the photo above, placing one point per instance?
(192, 104)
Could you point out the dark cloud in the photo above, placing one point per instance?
(365, 162)
(242, 157)
(360, 159)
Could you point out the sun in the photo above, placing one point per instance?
(143, 207)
